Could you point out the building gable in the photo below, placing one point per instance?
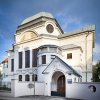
(59, 65)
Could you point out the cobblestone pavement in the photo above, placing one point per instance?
(36, 98)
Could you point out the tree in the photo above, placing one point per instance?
(96, 72)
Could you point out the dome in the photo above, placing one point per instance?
(41, 14)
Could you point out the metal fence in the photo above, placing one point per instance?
(5, 84)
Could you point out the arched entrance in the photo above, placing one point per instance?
(58, 84)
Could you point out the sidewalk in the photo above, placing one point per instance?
(35, 98)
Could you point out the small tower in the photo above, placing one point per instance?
(46, 54)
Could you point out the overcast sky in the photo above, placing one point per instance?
(71, 15)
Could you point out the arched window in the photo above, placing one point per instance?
(20, 78)
(27, 78)
(34, 77)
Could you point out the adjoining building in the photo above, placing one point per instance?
(5, 80)
(42, 52)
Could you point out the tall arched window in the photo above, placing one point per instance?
(34, 77)
(20, 78)
(27, 77)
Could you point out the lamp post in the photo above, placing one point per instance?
(33, 72)
(34, 80)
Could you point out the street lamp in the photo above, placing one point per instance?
(30, 85)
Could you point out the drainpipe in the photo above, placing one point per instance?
(34, 84)
(86, 52)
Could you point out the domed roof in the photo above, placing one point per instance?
(41, 14)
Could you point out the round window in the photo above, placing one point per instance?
(49, 28)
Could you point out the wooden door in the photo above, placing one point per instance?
(61, 84)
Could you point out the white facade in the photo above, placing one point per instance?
(58, 56)
(1, 68)
(5, 79)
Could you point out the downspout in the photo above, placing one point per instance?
(34, 84)
(86, 52)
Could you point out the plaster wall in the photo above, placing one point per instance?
(85, 42)
(21, 89)
(82, 91)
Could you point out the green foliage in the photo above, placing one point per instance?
(96, 72)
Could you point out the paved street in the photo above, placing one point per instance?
(35, 98)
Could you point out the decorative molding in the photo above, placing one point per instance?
(27, 36)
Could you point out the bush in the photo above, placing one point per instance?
(96, 72)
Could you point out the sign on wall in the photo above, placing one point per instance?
(69, 81)
(30, 85)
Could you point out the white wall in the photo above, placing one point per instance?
(86, 43)
(1, 68)
(21, 88)
(76, 58)
(82, 91)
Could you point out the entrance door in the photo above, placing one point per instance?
(58, 84)
(61, 84)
